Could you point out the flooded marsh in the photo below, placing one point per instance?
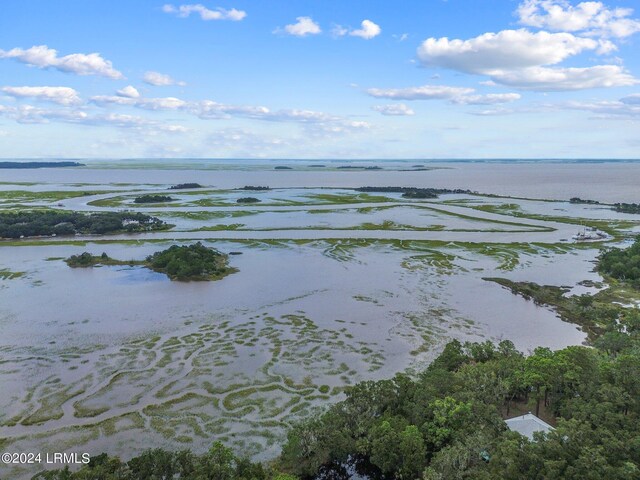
(333, 287)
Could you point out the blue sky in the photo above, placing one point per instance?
(320, 79)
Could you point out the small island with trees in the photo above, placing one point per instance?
(179, 262)
(184, 186)
(153, 199)
(248, 200)
(583, 201)
(256, 188)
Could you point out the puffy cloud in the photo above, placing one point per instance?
(367, 30)
(396, 109)
(205, 13)
(505, 50)
(41, 56)
(129, 92)
(60, 95)
(591, 18)
(558, 79)
(160, 79)
(425, 92)
(303, 27)
(521, 59)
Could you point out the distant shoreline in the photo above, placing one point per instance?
(40, 164)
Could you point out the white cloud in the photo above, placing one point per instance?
(163, 103)
(591, 18)
(339, 31)
(522, 59)
(315, 122)
(396, 109)
(28, 114)
(611, 109)
(205, 13)
(246, 143)
(367, 30)
(489, 99)
(60, 95)
(558, 79)
(42, 56)
(426, 92)
(129, 92)
(457, 95)
(160, 79)
(303, 27)
(401, 37)
(505, 50)
(208, 109)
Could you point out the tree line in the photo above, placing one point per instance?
(49, 222)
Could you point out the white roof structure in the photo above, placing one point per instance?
(528, 424)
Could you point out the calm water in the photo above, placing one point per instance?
(126, 354)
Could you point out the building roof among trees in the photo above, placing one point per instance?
(528, 424)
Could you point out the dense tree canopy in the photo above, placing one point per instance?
(622, 264)
(153, 199)
(183, 186)
(190, 262)
(627, 207)
(52, 222)
(248, 200)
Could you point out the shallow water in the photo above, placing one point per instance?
(125, 354)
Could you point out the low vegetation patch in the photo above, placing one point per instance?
(85, 259)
